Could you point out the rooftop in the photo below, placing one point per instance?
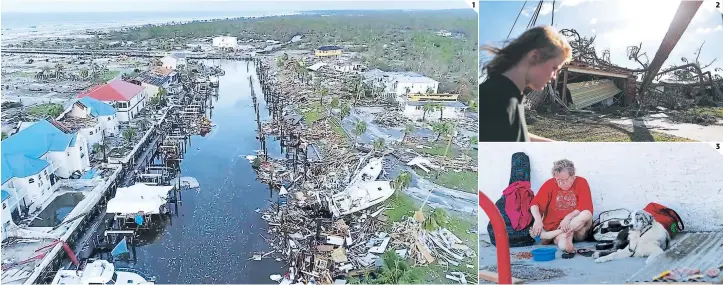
(116, 90)
(153, 78)
(21, 152)
(451, 104)
(5, 195)
(327, 48)
(97, 108)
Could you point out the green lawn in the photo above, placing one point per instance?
(313, 113)
(463, 181)
(45, 110)
(108, 76)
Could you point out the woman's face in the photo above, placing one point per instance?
(542, 73)
(564, 180)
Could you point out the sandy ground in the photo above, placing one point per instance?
(579, 270)
(712, 133)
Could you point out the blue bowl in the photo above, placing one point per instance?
(543, 254)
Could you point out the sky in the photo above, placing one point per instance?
(616, 25)
(218, 5)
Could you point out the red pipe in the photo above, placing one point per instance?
(504, 267)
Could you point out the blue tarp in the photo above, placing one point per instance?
(120, 248)
(89, 175)
(139, 220)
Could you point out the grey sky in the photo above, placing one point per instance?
(218, 5)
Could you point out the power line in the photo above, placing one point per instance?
(518, 16)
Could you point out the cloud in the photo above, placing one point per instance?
(709, 30)
(546, 9)
(593, 21)
(594, 31)
(571, 3)
(527, 12)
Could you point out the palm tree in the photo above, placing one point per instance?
(84, 73)
(324, 91)
(345, 111)
(437, 219)
(360, 128)
(408, 129)
(427, 108)
(58, 70)
(128, 134)
(360, 90)
(402, 181)
(378, 144)
(334, 102)
(397, 271)
(439, 107)
(429, 90)
(440, 129)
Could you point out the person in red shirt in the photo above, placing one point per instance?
(562, 208)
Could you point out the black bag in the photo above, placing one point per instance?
(517, 238)
(520, 171)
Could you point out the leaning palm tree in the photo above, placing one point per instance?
(360, 128)
(402, 181)
(440, 129)
(345, 111)
(378, 144)
(323, 92)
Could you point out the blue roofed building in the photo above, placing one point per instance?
(90, 118)
(35, 157)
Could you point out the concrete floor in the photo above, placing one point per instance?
(578, 270)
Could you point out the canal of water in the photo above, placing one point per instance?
(217, 231)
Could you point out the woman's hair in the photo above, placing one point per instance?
(545, 39)
(563, 165)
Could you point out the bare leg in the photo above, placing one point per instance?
(564, 242)
(580, 225)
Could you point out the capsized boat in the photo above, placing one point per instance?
(360, 196)
(101, 272)
(370, 172)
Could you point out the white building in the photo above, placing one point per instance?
(450, 110)
(225, 42)
(157, 78)
(397, 85)
(173, 60)
(34, 158)
(127, 98)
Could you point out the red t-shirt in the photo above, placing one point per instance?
(563, 202)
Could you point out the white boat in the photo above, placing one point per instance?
(370, 172)
(360, 196)
(100, 272)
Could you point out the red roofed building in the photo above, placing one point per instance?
(127, 98)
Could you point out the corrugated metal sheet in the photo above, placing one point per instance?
(689, 250)
(585, 94)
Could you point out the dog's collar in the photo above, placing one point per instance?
(645, 230)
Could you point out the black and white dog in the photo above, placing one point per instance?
(646, 238)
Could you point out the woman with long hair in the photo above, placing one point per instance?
(530, 61)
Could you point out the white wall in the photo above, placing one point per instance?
(109, 124)
(415, 87)
(151, 90)
(686, 177)
(93, 135)
(135, 105)
(416, 113)
(35, 191)
(169, 62)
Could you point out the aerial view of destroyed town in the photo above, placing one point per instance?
(641, 71)
(239, 142)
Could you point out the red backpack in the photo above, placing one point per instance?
(667, 217)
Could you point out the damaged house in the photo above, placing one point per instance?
(580, 85)
(91, 118)
(37, 156)
(127, 98)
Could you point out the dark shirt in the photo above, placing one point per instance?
(501, 113)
